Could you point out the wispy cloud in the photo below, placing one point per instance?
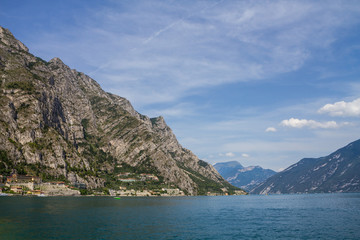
(181, 47)
(180, 110)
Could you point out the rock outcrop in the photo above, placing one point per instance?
(59, 123)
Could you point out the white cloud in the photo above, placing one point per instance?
(245, 155)
(230, 154)
(270, 129)
(300, 123)
(342, 108)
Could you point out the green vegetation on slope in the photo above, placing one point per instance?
(206, 185)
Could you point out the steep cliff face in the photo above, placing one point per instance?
(59, 123)
(337, 172)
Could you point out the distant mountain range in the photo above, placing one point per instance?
(244, 177)
(337, 172)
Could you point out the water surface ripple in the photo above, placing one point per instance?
(308, 216)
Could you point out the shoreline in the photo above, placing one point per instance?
(134, 196)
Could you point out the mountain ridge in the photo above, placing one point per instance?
(337, 172)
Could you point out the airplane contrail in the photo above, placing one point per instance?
(156, 34)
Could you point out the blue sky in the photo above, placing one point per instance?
(261, 82)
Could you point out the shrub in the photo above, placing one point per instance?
(23, 85)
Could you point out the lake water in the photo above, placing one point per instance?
(311, 216)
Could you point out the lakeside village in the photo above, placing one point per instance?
(26, 185)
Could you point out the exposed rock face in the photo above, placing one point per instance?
(243, 177)
(338, 172)
(58, 123)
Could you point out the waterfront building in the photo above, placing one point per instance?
(17, 178)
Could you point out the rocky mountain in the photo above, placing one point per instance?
(243, 177)
(228, 169)
(338, 172)
(57, 123)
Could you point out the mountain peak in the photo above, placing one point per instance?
(7, 38)
(57, 61)
(230, 164)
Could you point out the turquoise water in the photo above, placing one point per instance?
(312, 216)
